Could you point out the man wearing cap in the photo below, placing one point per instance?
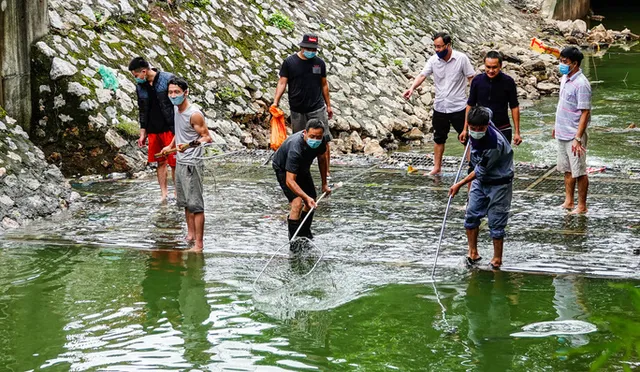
(306, 75)
(451, 70)
(156, 117)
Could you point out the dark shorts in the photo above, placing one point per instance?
(158, 141)
(189, 187)
(508, 133)
(299, 121)
(442, 125)
(304, 180)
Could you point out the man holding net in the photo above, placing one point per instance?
(292, 165)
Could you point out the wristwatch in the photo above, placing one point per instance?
(577, 139)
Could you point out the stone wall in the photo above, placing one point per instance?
(231, 50)
(21, 22)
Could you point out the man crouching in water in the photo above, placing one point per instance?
(191, 132)
(491, 187)
(292, 164)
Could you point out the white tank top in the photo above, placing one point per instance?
(186, 134)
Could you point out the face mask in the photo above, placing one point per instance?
(476, 135)
(443, 53)
(140, 81)
(563, 68)
(177, 100)
(314, 143)
(308, 54)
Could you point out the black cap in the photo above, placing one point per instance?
(309, 41)
(137, 63)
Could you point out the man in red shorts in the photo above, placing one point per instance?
(156, 116)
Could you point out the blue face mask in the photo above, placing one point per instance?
(309, 55)
(476, 135)
(314, 143)
(177, 100)
(443, 53)
(564, 69)
(140, 81)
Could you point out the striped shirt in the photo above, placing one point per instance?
(575, 96)
(450, 79)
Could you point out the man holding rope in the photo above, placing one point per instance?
(491, 187)
(292, 165)
(191, 133)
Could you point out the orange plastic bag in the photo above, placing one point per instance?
(278, 128)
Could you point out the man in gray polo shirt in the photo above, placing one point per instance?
(451, 72)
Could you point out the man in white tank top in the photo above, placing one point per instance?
(191, 131)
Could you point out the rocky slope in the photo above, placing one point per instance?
(230, 51)
(29, 186)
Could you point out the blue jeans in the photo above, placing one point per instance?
(493, 201)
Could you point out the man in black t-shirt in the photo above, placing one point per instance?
(292, 164)
(497, 91)
(306, 75)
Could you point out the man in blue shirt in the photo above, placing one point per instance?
(496, 91)
(492, 184)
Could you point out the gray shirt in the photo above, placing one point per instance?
(450, 79)
(186, 134)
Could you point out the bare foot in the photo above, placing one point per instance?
(579, 210)
(495, 264)
(435, 171)
(189, 239)
(567, 205)
(197, 247)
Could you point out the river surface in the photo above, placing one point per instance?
(109, 287)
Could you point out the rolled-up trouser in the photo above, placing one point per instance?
(189, 187)
(299, 121)
(493, 201)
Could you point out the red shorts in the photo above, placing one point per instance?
(158, 141)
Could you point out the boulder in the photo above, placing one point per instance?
(413, 135)
(61, 68)
(373, 148)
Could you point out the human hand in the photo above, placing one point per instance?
(517, 140)
(326, 189)
(166, 150)
(142, 140)
(553, 134)
(454, 189)
(329, 112)
(407, 94)
(182, 147)
(577, 148)
(309, 202)
(463, 136)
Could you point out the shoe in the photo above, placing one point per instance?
(470, 262)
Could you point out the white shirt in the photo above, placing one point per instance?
(450, 79)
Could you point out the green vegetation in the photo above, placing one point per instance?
(128, 128)
(281, 21)
(3, 113)
(227, 94)
(191, 4)
(397, 62)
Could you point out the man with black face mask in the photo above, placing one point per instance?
(451, 72)
(306, 76)
(491, 187)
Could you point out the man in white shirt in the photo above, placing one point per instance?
(451, 72)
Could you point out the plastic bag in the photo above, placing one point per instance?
(278, 128)
(108, 78)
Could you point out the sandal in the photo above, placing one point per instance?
(494, 267)
(470, 262)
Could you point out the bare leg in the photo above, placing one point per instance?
(328, 157)
(497, 252)
(198, 220)
(569, 188)
(472, 238)
(583, 189)
(161, 172)
(173, 178)
(191, 231)
(296, 209)
(438, 151)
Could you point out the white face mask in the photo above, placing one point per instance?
(476, 135)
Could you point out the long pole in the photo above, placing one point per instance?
(446, 212)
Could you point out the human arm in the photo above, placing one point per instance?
(577, 147)
(426, 71)
(515, 113)
(456, 187)
(322, 164)
(325, 94)
(280, 88)
(514, 105)
(142, 119)
(295, 188)
(200, 126)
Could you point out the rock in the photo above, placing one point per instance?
(414, 134)
(61, 68)
(44, 48)
(340, 124)
(547, 87)
(126, 7)
(114, 139)
(579, 26)
(534, 65)
(87, 13)
(356, 142)
(8, 223)
(3, 172)
(77, 89)
(55, 21)
(373, 148)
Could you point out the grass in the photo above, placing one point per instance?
(281, 21)
(397, 62)
(227, 94)
(128, 128)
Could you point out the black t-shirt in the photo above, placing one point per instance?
(497, 94)
(156, 122)
(295, 156)
(305, 82)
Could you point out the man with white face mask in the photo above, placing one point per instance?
(492, 184)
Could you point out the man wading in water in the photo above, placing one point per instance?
(292, 164)
(156, 117)
(451, 70)
(306, 75)
(191, 132)
(491, 187)
(572, 118)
